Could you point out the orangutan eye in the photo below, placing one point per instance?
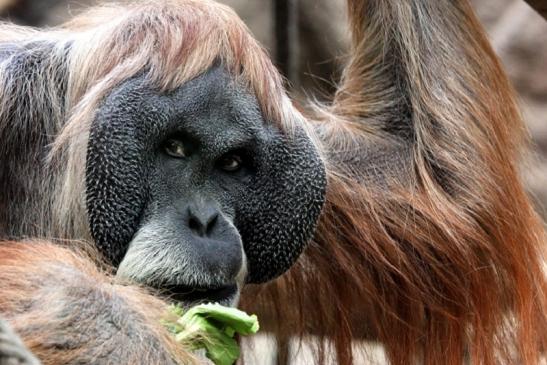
(230, 163)
(175, 148)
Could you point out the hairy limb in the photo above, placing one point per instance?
(428, 242)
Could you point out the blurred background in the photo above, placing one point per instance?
(309, 38)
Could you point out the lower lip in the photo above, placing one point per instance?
(224, 295)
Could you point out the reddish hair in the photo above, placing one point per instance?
(67, 309)
(432, 246)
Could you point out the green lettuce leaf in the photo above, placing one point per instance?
(212, 327)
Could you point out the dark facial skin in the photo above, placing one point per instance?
(194, 192)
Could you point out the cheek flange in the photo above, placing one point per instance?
(277, 218)
(116, 189)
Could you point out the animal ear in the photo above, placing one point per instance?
(277, 216)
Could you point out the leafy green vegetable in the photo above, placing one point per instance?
(212, 327)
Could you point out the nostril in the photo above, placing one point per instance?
(202, 224)
(195, 226)
(211, 224)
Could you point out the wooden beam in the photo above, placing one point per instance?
(540, 6)
(286, 37)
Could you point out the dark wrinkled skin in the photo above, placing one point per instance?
(134, 189)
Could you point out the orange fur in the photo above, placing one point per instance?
(68, 311)
(441, 259)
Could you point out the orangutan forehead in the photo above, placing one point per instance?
(172, 42)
